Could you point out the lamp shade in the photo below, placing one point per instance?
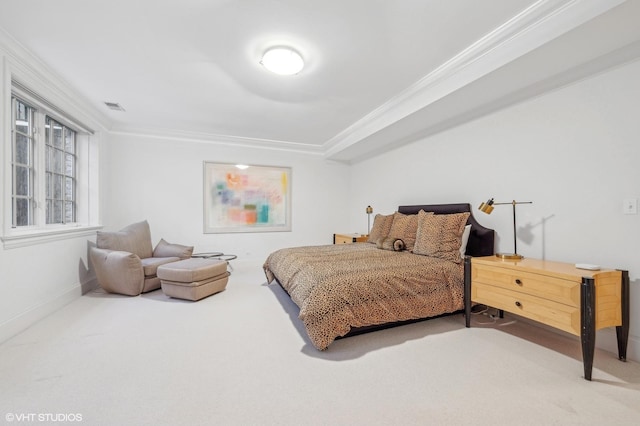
(487, 207)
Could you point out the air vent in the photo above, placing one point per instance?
(114, 106)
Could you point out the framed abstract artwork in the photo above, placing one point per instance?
(241, 198)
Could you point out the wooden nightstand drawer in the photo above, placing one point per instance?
(558, 315)
(557, 289)
(349, 238)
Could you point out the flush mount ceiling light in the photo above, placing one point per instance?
(282, 60)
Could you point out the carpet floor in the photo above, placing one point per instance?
(241, 357)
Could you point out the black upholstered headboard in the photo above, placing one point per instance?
(481, 239)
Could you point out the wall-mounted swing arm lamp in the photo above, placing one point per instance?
(487, 207)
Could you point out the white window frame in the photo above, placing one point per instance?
(66, 196)
(37, 94)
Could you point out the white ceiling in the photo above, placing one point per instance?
(378, 73)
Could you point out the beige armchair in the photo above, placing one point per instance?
(126, 263)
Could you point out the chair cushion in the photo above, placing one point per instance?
(135, 238)
(150, 264)
(192, 270)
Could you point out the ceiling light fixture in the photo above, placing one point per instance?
(282, 60)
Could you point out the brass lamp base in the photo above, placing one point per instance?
(509, 256)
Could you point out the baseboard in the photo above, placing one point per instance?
(26, 319)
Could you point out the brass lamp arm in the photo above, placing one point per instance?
(513, 202)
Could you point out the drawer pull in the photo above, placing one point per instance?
(518, 281)
(518, 304)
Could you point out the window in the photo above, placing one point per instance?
(60, 172)
(53, 172)
(22, 164)
(49, 161)
(42, 160)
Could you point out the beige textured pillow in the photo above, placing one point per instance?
(380, 229)
(165, 249)
(440, 235)
(405, 227)
(135, 238)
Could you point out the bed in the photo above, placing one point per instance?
(413, 268)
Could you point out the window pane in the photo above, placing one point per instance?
(22, 181)
(69, 141)
(49, 213)
(58, 161)
(47, 131)
(48, 158)
(54, 211)
(22, 149)
(69, 189)
(57, 134)
(23, 117)
(58, 209)
(69, 212)
(22, 212)
(49, 185)
(69, 164)
(57, 186)
(21, 111)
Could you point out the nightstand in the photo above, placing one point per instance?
(349, 238)
(553, 293)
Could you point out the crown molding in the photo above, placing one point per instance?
(218, 139)
(542, 22)
(31, 71)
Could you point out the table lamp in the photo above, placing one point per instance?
(487, 207)
(369, 211)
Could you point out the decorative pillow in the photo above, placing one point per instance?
(465, 240)
(405, 227)
(135, 238)
(380, 229)
(440, 235)
(391, 243)
(165, 249)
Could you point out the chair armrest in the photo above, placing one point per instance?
(118, 271)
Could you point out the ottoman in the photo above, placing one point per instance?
(193, 279)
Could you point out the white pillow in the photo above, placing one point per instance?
(465, 240)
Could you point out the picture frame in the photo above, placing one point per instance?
(246, 198)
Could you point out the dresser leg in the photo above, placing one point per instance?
(622, 331)
(467, 291)
(587, 324)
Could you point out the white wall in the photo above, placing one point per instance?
(574, 152)
(39, 277)
(161, 180)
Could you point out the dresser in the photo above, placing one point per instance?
(349, 238)
(557, 294)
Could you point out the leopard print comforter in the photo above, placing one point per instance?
(338, 287)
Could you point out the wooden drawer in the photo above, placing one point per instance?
(558, 315)
(553, 288)
(349, 238)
